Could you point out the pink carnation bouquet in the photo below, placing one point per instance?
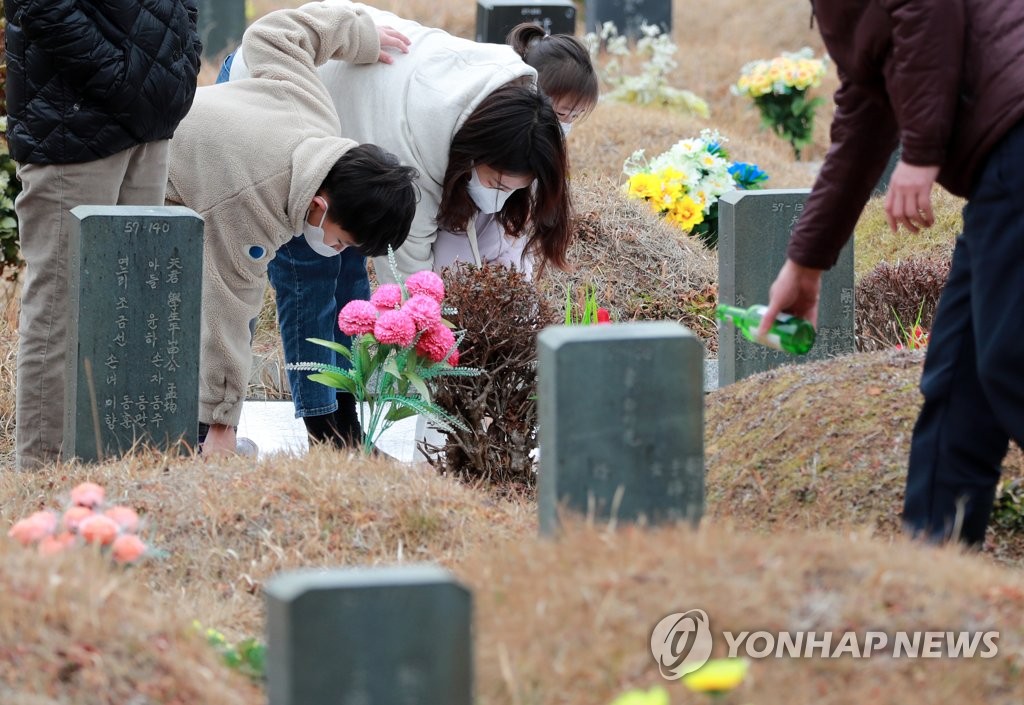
(400, 343)
(86, 519)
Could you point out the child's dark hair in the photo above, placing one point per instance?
(515, 131)
(372, 196)
(564, 68)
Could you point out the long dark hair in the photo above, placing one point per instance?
(515, 131)
(564, 69)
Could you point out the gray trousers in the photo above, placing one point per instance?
(136, 176)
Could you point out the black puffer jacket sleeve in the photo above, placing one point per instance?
(89, 78)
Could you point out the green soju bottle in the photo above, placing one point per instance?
(788, 333)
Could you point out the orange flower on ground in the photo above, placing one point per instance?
(128, 548)
(55, 544)
(33, 528)
(87, 494)
(125, 517)
(99, 529)
(74, 516)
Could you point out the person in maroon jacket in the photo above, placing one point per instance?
(944, 78)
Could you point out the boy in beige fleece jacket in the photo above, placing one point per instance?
(261, 161)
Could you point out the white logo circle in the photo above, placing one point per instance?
(681, 643)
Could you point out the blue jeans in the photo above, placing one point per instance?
(310, 290)
(972, 385)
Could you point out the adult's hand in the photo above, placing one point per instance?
(909, 199)
(220, 440)
(391, 38)
(795, 291)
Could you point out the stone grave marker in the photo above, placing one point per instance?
(621, 413)
(369, 636)
(754, 230)
(496, 18)
(133, 358)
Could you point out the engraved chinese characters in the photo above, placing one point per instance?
(136, 285)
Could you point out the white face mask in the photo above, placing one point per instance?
(488, 200)
(566, 128)
(315, 235)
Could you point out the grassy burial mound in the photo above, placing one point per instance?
(824, 445)
(570, 621)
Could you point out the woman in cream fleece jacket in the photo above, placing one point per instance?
(262, 160)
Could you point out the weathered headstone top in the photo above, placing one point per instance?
(621, 412)
(754, 230)
(496, 18)
(365, 636)
(133, 356)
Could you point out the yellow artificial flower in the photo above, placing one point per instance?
(654, 696)
(717, 675)
(686, 213)
(644, 186)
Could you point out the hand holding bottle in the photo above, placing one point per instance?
(786, 333)
(796, 291)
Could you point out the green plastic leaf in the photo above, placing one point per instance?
(420, 385)
(397, 413)
(336, 347)
(336, 381)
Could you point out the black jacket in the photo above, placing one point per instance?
(90, 78)
(945, 79)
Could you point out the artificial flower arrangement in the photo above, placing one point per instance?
(683, 184)
(779, 88)
(399, 343)
(651, 85)
(86, 520)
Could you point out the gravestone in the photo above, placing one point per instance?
(133, 344)
(495, 18)
(754, 229)
(629, 16)
(369, 636)
(221, 25)
(621, 415)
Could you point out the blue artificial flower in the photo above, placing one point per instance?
(747, 176)
(716, 149)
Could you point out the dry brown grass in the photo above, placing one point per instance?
(569, 621)
(230, 525)
(74, 630)
(640, 267)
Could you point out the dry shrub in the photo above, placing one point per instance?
(640, 267)
(908, 290)
(77, 630)
(502, 313)
(570, 621)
